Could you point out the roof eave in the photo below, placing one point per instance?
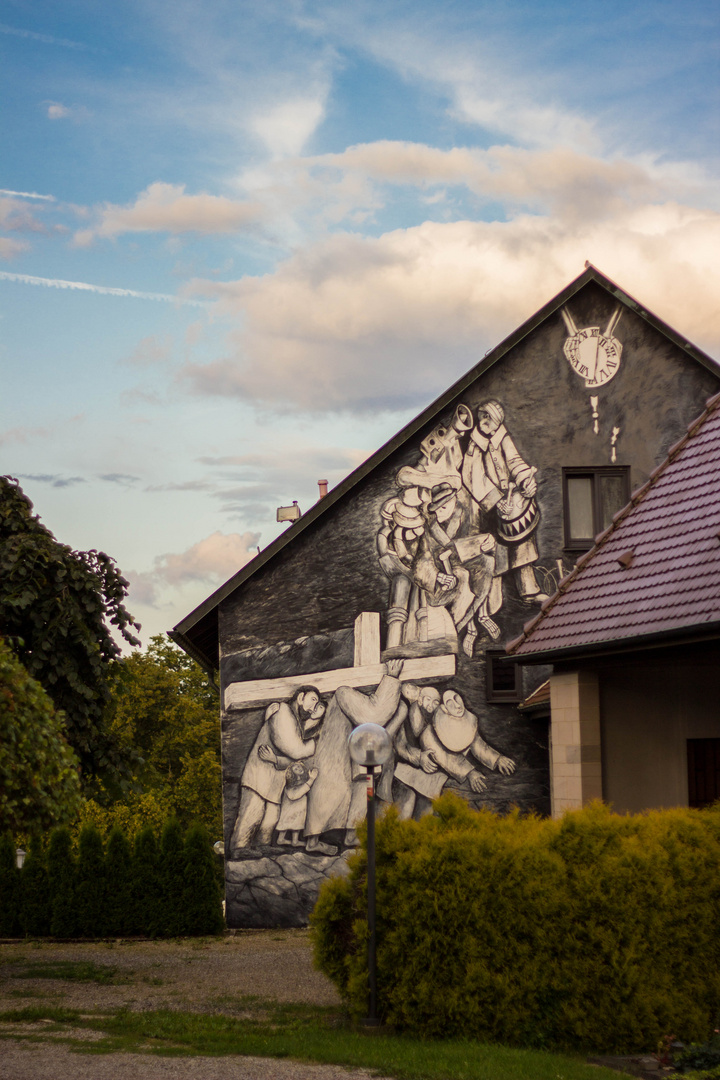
(684, 635)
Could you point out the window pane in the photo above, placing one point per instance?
(503, 677)
(613, 496)
(580, 507)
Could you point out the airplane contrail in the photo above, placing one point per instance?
(105, 290)
(27, 195)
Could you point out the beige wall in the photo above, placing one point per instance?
(575, 769)
(648, 710)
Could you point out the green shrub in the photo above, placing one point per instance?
(201, 899)
(9, 888)
(596, 931)
(90, 887)
(61, 884)
(146, 895)
(35, 909)
(172, 881)
(699, 1056)
(118, 904)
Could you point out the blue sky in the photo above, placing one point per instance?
(241, 244)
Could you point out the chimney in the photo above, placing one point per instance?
(322, 486)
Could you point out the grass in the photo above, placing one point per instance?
(69, 971)
(303, 1032)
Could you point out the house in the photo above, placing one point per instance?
(633, 635)
(393, 597)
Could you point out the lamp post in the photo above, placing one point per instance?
(371, 746)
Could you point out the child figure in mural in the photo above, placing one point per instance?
(293, 808)
(433, 746)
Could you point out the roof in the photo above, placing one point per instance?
(655, 573)
(197, 633)
(538, 701)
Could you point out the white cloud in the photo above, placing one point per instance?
(211, 560)
(166, 208)
(9, 248)
(57, 111)
(366, 323)
(285, 128)
(151, 351)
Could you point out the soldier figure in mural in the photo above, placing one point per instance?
(498, 479)
(464, 519)
(433, 746)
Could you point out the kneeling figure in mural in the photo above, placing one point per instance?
(433, 747)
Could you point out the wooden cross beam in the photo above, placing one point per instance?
(367, 671)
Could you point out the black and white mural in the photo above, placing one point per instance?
(389, 605)
(457, 523)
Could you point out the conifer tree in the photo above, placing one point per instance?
(9, 888)
(61, 884)
(172, 878)
(146, 900)
(90, 883)
(119, 887)
(202, 907)
(35, 908)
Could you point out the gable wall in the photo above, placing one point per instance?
(316, 587)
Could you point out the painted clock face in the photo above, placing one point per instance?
(593, 355)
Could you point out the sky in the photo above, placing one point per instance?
(242, 244)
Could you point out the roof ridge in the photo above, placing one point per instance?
(636, 497)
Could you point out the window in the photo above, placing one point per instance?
(590, 499)
(703, 771)
(503, 681)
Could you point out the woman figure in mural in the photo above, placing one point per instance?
(499, 480)
(283, 735)
(433, 747)
(338, 799)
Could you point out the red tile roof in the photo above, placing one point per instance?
(656, 569)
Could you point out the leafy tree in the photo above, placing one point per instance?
(201, 901)
(118, 907)
(61, 878)
(35, 909)
(163, 707)
(90, 886)
(39, 783)
(9, 888)
(57, 610)
(172, 880)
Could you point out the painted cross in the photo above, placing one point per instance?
(366, 672)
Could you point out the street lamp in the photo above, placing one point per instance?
(371, 746)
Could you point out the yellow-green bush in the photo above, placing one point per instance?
(597, 931)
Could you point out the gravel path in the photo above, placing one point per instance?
(208, 976)
(37, 1061)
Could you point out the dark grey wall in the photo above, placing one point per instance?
(317, 586)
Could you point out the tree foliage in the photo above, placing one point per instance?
(58, 608)
(163, 707)
(39, 783)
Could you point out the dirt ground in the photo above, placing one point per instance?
(201, 976)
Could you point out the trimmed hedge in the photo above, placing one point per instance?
(111, 894)
(597, 931)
